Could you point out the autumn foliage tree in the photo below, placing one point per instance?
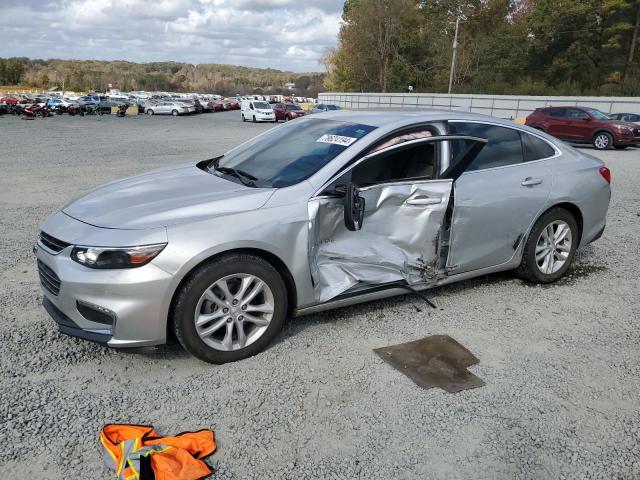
(505, 46)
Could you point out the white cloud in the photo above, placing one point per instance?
(282, 34)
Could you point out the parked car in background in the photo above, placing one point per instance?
(61, 102)
(584, 125)
(324, 107)
(167, 108)
(626, 117)
(329, 210)
(256, 111)
(12, 100)
(287, 111)
(89, 100)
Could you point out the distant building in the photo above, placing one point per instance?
(290, 86)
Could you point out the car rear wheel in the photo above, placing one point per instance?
(150, 112)
(254, 119)
(243, 119)
(602, 141)
(175, 113)
(550, 247)
(230, 308)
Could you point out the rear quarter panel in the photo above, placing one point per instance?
(577, 180)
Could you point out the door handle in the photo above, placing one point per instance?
(530, 182)
(422, 201)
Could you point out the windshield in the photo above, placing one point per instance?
(597, 114)
(261, 105)
(293, 107)
(333, 107)
(291, 153)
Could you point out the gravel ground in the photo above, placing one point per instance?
(560, 362)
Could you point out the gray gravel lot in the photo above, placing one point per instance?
(561, 362)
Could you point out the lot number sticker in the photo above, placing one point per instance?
(337, 140)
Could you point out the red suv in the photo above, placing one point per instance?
(287, 111)
(585, 125)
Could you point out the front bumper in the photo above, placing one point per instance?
(624, 140)
(135, 300)
(261, 117)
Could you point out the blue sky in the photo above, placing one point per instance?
(282, 34)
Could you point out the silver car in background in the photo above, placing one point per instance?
(168, 108)
(333, 209)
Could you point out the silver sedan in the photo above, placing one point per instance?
(333, 209)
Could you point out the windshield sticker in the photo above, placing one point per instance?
(336, 140)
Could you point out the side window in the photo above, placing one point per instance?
(535, 148)
(576, 114)
(504, 146)
(555, 112)
(406, 164)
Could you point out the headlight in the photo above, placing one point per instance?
(624, 129)
(116, 257)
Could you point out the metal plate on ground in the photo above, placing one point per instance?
(435, 361)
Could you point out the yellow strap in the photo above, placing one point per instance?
(111, 454)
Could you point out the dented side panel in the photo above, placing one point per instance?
(398, 240)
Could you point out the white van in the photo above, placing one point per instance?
(257, 111)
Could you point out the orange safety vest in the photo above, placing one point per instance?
(136, 452)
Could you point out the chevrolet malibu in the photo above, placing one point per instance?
(330, 210)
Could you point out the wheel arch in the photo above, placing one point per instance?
(573, 209)
(603, 130)
(270, 257)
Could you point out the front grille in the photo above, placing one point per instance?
(53, 243)
(48, 278)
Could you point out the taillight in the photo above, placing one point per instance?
(606, 174)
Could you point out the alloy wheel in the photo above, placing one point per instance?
(234, 312)
(602, 141)
(553, 247)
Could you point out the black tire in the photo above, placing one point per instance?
(150, 112)
(528, 269)
(243, 119)
(190, 293)
(602, 141)
(254, 119)
(175, 113)
(620, 147)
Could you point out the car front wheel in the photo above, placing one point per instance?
(550, 247)
(149, 112)
(230, 308)
(602, 141)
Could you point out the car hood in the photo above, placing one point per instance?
(164, 197)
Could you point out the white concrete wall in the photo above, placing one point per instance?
(505, 106)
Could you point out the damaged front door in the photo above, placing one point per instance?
(405, 204)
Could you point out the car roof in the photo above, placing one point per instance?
(401, 117)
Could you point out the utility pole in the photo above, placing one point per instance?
(453, 57)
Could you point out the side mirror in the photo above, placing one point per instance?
(353, 208)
